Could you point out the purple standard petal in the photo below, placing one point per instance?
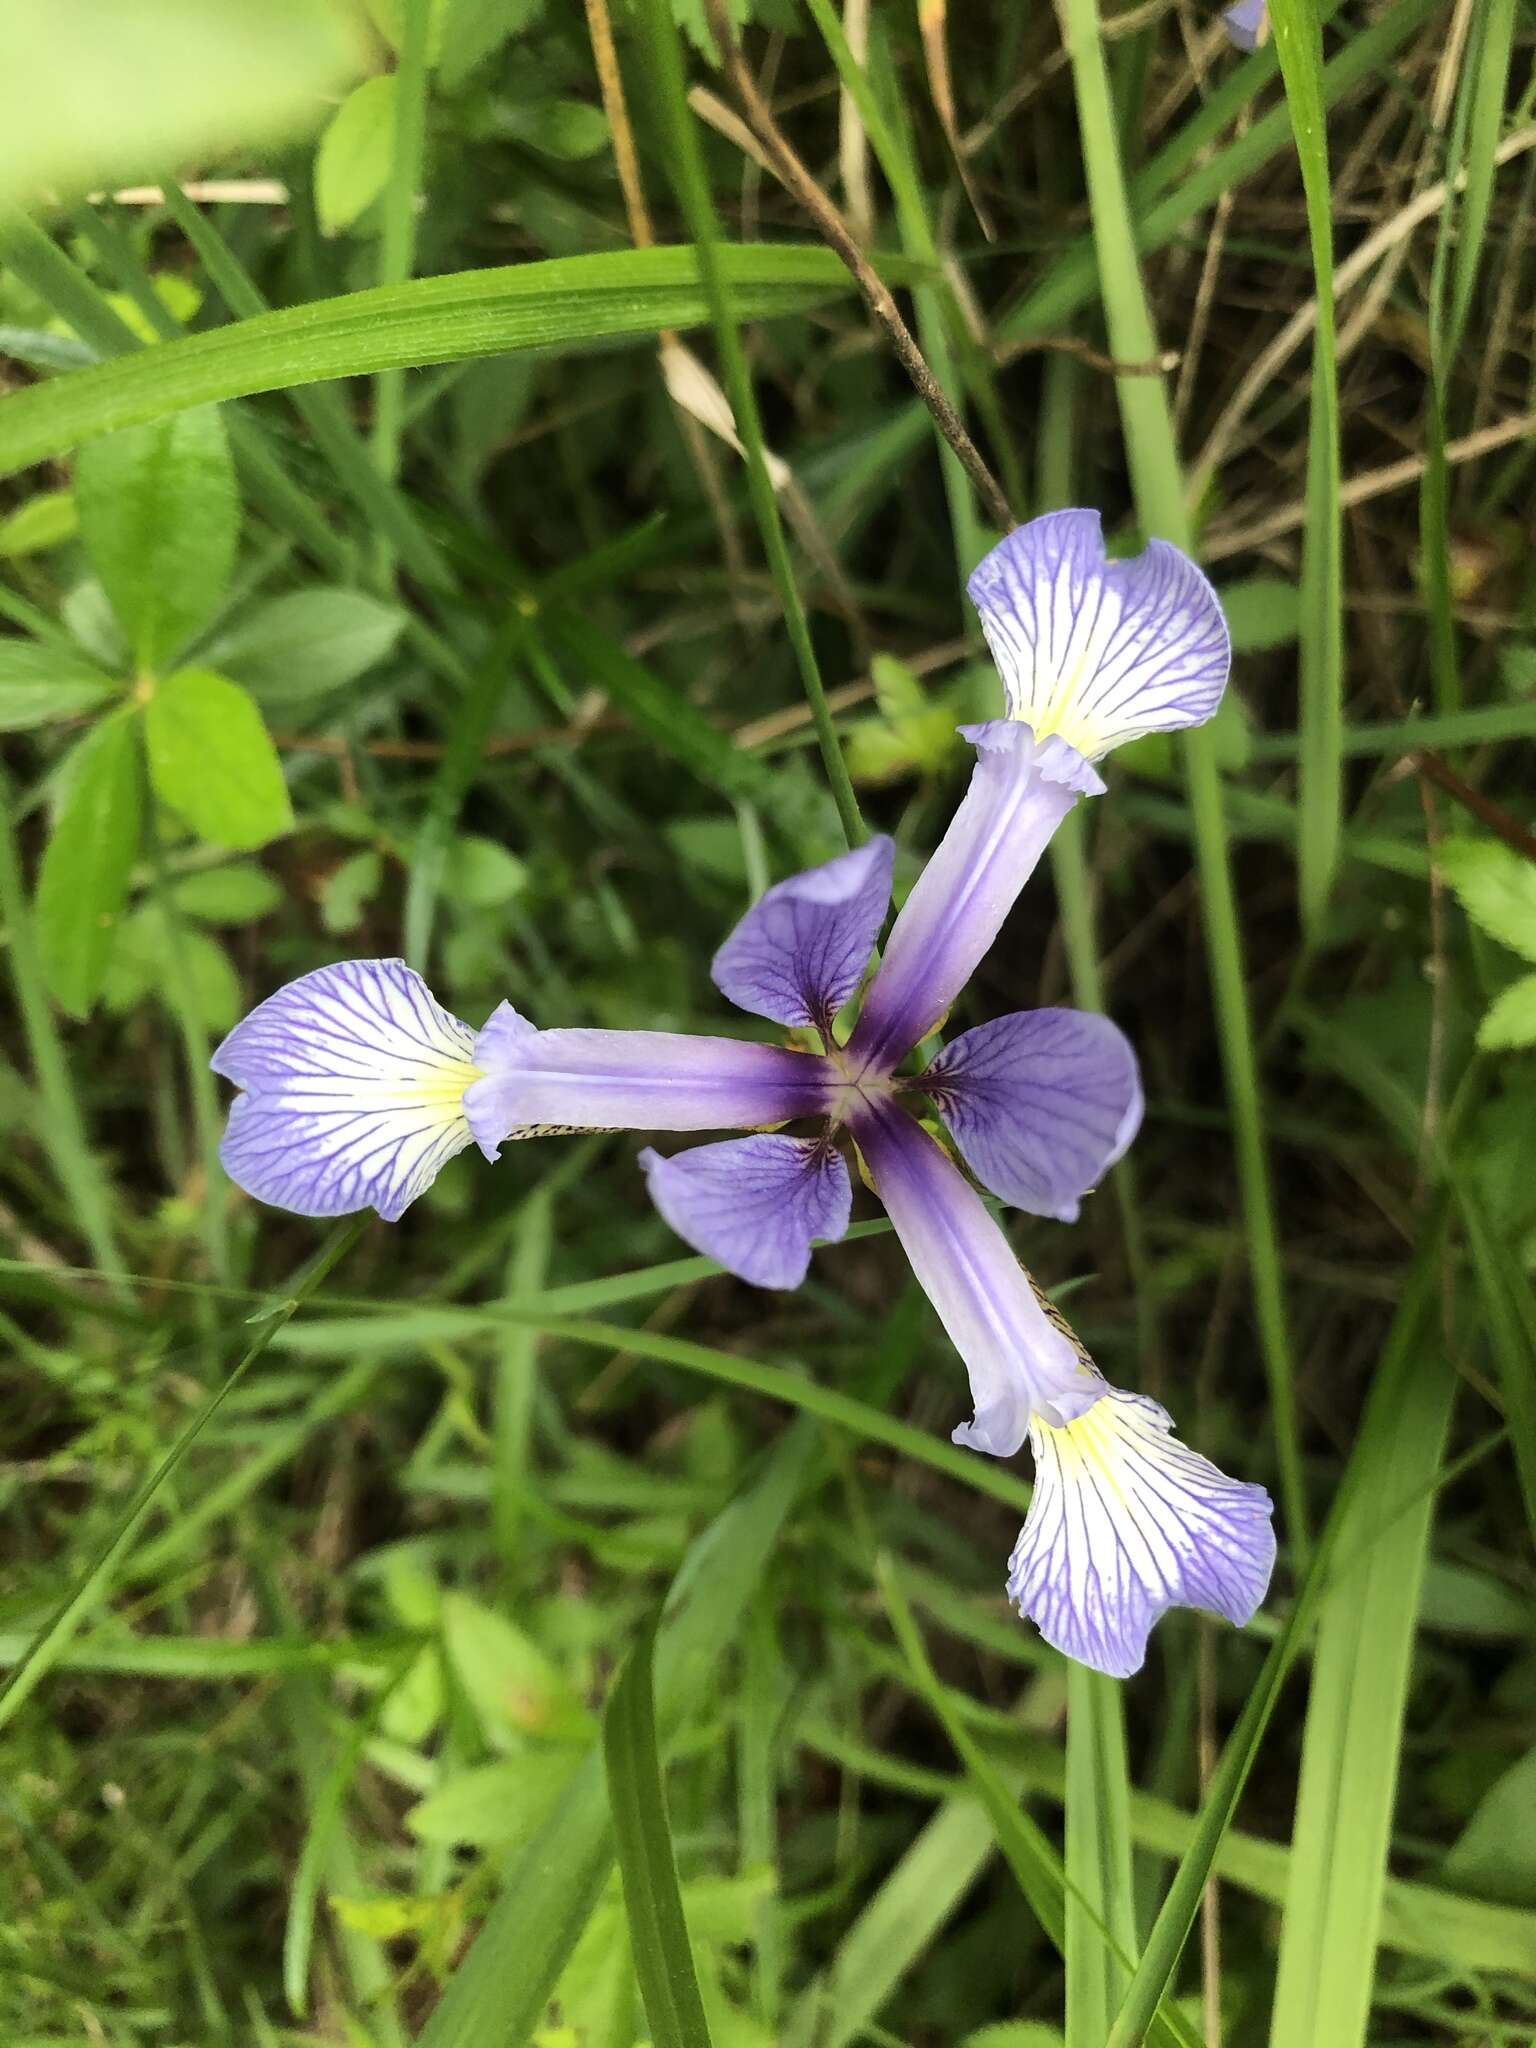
(551, 1081)
(754, 1204)
(354, 1080)
(1101, 652)
(1247, 24)
(1127, 1522)
(1020, 791)
(1041, 1104)
(1022, 1359)
(798, 955)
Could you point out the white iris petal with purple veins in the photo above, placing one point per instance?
(1100, 652)
(352, 1081)
(1127, 1522)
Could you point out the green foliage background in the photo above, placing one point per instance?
(502, 1627)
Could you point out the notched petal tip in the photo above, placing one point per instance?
(1100, 651)
(353, 1081)
(799, 953)
(1127, 1522)
(1054, 759)
(754, 1205)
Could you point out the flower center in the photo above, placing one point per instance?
(853, 1085)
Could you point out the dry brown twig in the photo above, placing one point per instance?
(796, 179)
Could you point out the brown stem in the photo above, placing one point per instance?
(798, 181)
(1493, 814)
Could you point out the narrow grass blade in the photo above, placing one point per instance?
(1160, 1957)
(1047, 1885)
(95, 1585)
(513, 1389)
(653, 1900)
(1354, 1730)
(62, 1129)
(1487, 84)
(1148, 426)
(561, 304)
(727, 305)
(497, 1995)
(1100, 1897)
(1298, 41)
(919, 1895)
(468, 731)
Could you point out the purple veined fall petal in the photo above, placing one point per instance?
(1021, 1359)
(1041, 1104)
(754, 1204)
(800, 952)
(581, 1080)
(1127, 1522)
(1020, 790)
(353, 1080)
(1100, 652)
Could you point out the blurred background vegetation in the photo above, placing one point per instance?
(364, 596)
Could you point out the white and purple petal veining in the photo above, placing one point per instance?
(1101, 652)
(1021, 1359)
(581, 1080)
(1247, 24)
(800, 952)
(1041, 1104)
(1020, 791)
(754, 1204)
(1127, 1522)
(353, 1080)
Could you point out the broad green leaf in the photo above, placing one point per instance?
(43, 522)
(566, 303)
(84, 874)
(515, 1690)
(1496, 887)
(159, 517)
(211, 760)
(290, 649)
(352, 162)
(1510, 1020)
(239, 894)
(472, 29)
(349, 888)
(1262, 612)
(39, 684)
(91, 93)
(569, 129)
(1495, 1854)
(658, 1932)
(500, 1805)
(136, 972)
(88, 614)
(180, 297)
(481, 873)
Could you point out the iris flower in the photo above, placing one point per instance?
(358, 1086)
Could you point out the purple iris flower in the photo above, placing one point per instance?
(358, 1086)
